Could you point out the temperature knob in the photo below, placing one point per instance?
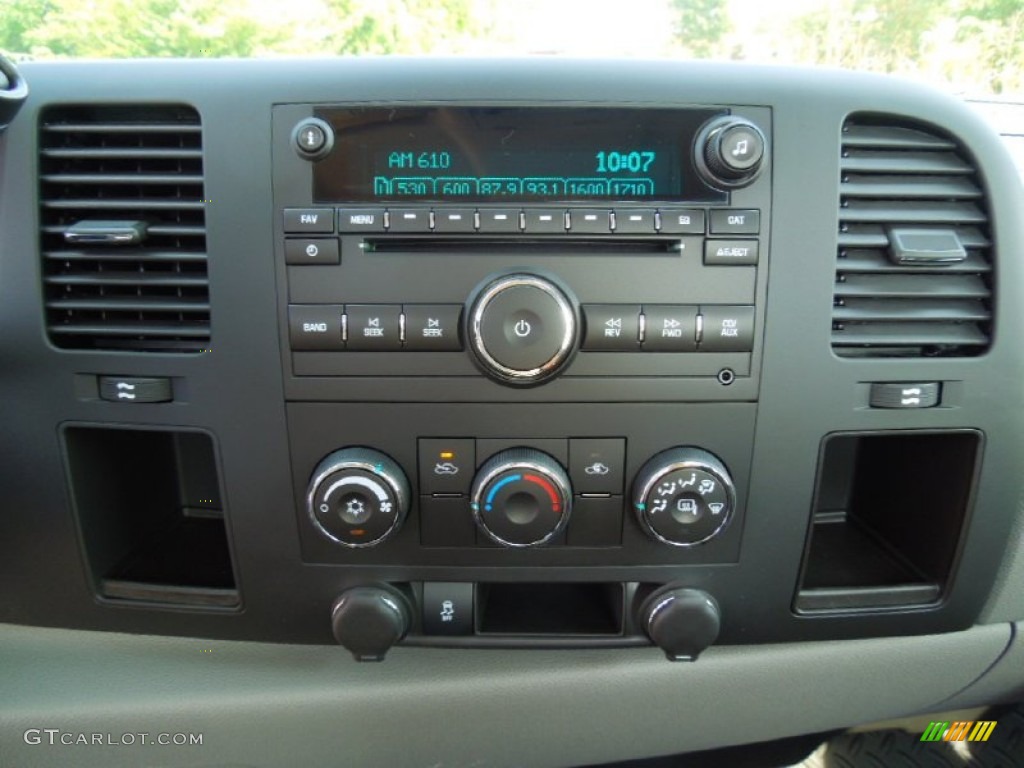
(521, 498)
(684, 496)
(358, 497)
(730, 152)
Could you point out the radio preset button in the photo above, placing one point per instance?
(634, 221)
(590, 221)
(309, 220)
(670, 328)
(374, 327)
(432, 327)
(454, 220)
(498, 220)
(306, 251)
(612, 327)
(682, 221)
(409, 220)
(727, 329)
(730, 252)
(315, 327)
(361, 220)
(545, 221)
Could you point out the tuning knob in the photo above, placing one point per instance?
(522, 328)
(358, 497)
(680, 621)
(369, 620)
(684, 496)
(730, 152)
(521, 498)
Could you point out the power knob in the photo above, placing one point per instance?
(730, 152)
(522, 328)
(358, 497)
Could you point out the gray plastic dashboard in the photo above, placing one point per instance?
(800, 649)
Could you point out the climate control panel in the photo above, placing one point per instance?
(522, 497)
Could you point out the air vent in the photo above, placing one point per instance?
(914, 269)
(123, 228)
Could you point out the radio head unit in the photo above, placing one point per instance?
(570, 249)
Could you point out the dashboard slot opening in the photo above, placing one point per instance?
(561, 244)
(888, 514)
(550, 609)
(151, 516)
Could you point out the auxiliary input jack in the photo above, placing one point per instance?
(726, 377)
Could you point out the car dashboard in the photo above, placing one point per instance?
(598, 410)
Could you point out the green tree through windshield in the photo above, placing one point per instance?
(976, 46)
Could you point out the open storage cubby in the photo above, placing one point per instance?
(889, 509)
(150, 514)
(550, 609)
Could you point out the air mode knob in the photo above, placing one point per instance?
(684, 496)
(521, 498)
(730, 152)
(358, 497)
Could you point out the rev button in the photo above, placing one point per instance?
(612, 327)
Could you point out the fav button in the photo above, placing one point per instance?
(309, 220)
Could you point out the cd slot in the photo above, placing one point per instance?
(564, 245)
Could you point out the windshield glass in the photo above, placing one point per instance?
(974, 47)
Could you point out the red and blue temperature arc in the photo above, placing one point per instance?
(543, 482)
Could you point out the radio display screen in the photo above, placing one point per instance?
(515, 154)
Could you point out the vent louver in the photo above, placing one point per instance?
(134, 169)
(905, 181)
